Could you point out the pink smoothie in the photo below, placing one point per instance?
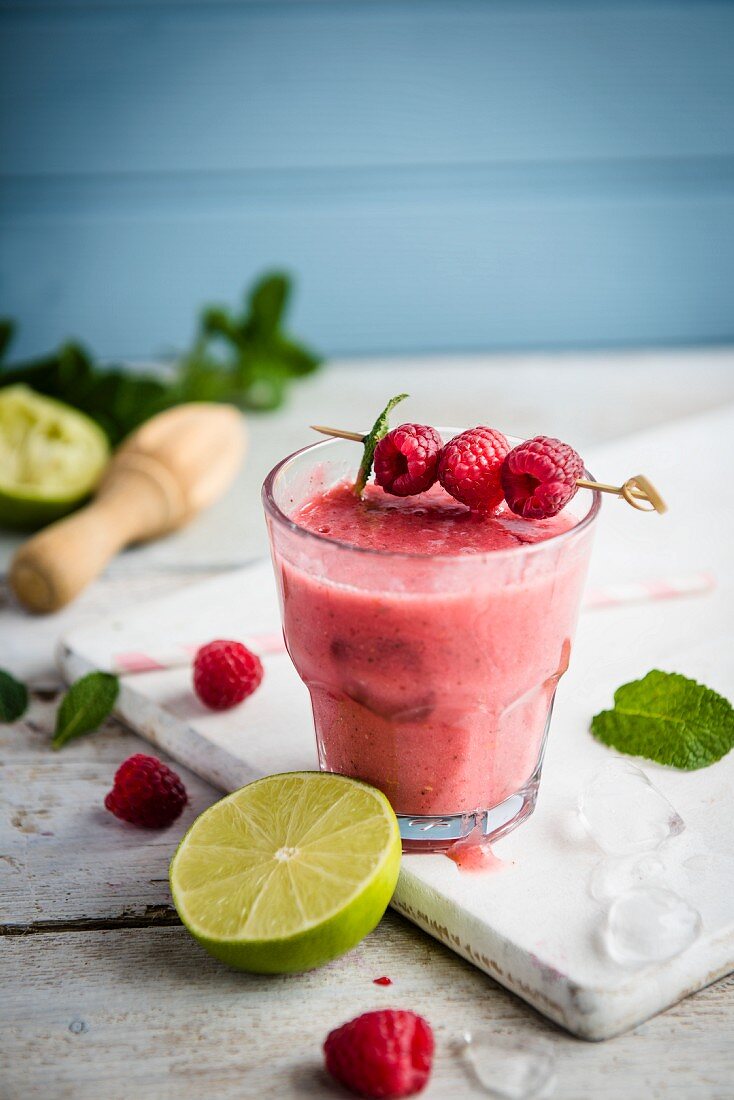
(431, 667)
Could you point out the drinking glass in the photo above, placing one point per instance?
(431, 677)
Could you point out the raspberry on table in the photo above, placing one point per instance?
(539, 477)
(146, 792)
(470, 468)
(381, 1054)
(406, 459)
(225, 673)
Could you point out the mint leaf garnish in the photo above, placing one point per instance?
(668, 718)
(379, 431)
(13, 697)
(85, 706)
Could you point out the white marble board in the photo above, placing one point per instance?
(532, 926)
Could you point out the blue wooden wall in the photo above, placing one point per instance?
(438, 173)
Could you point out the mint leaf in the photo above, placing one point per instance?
(297, 359)
(13, 697)
(217, 321)
(85, 706)
(247, 357)
(379, 431)
(668, 718)
(268, 301)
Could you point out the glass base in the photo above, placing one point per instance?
(437, 833)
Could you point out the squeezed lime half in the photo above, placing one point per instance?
(288, 872)
(51, 457)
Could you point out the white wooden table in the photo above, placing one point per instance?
(105, 995)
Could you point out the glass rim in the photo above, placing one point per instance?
(276, 513)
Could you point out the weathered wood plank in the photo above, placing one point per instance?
(146, 1014)
(93, 871)
(63, 857)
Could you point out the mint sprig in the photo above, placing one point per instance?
(379, 430)
(13, 697)
(85, 706)
(246, 356)
(670, 719)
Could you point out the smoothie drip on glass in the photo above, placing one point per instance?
(431, 640)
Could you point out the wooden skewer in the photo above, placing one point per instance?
(337, 433)
(638, 491)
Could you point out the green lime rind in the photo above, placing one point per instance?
(216, 884)
(670, 719)
(316, 947)
(379, 431)
(51, 458)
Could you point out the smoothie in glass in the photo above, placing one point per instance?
(431, 640)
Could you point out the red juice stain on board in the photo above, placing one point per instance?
(473, 854)
(382, 981)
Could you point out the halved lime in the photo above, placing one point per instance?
(51, 457)
(288, 872)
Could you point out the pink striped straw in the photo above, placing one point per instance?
(668, 588)
(157, 660)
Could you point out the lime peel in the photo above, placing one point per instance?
(51, 457)
(276, 877)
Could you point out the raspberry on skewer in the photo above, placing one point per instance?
(406, 459)
(470, 466)
(482, 487)
(540, 476)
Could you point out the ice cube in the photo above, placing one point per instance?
(616, 875)
(649, 924)
(510, 1069)
(624, 812)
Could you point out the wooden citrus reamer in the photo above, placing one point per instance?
(637, 490)
(164, 474)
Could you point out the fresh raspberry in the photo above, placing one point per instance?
(470, 468)
(381, 1054)
(146, 792)
(406, 459)
(225, 673)
(539, 477)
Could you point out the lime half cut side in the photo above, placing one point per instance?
(51, 457)
(288, 872)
